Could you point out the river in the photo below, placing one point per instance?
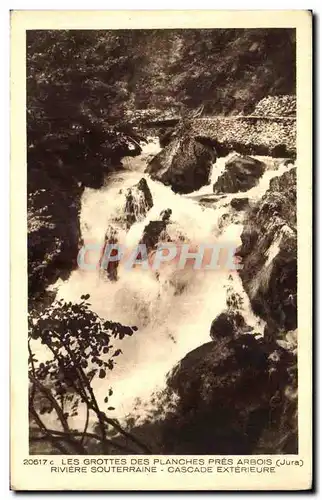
(174, 311)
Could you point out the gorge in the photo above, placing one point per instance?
(174, 310)
(162, 136)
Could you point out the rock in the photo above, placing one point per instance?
(239, 203)
(234, 397)
(184, 164)
(165, 137)
(279, 151)
(111, 266)
(131, 148)
(241, 174)
(155, 231)
(53, 231)
(228, 324)
(269, 254)
(138, 202)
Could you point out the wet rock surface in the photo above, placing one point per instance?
(269, 253)
(155, 231)
(110, 266)
(241, 174)
(236, 396)
(184, 164)
(228, 324)
(239, 203)
(138, 202)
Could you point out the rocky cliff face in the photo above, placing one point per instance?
(53, 230)
(273, 106)
(269, 253)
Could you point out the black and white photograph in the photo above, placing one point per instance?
(145, 137)
(162, 250)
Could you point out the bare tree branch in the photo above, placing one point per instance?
(89, 435)
(53, 401)
(86, 425)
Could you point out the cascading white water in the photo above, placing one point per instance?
(173, 312)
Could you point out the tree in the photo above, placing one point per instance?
(79, 351)
(77, 95)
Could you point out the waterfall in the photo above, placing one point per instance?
(173, 311)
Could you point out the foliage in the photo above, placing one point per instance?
(229, 70)
(226, 70)
(80, 351)
(76, 99)
(84, 85)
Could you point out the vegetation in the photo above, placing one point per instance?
(82, 89)
(224, 70)
(83, 85)
(76, 97)
(78, 344)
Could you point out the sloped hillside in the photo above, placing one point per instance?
(226, 70)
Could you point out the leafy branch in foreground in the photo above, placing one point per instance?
(79, 349)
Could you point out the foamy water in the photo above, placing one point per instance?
(174, 311)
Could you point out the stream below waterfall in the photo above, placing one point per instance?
(173, 311)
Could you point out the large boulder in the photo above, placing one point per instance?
(233, 396)
(241, 174)
(184, 164)
(269, 254)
